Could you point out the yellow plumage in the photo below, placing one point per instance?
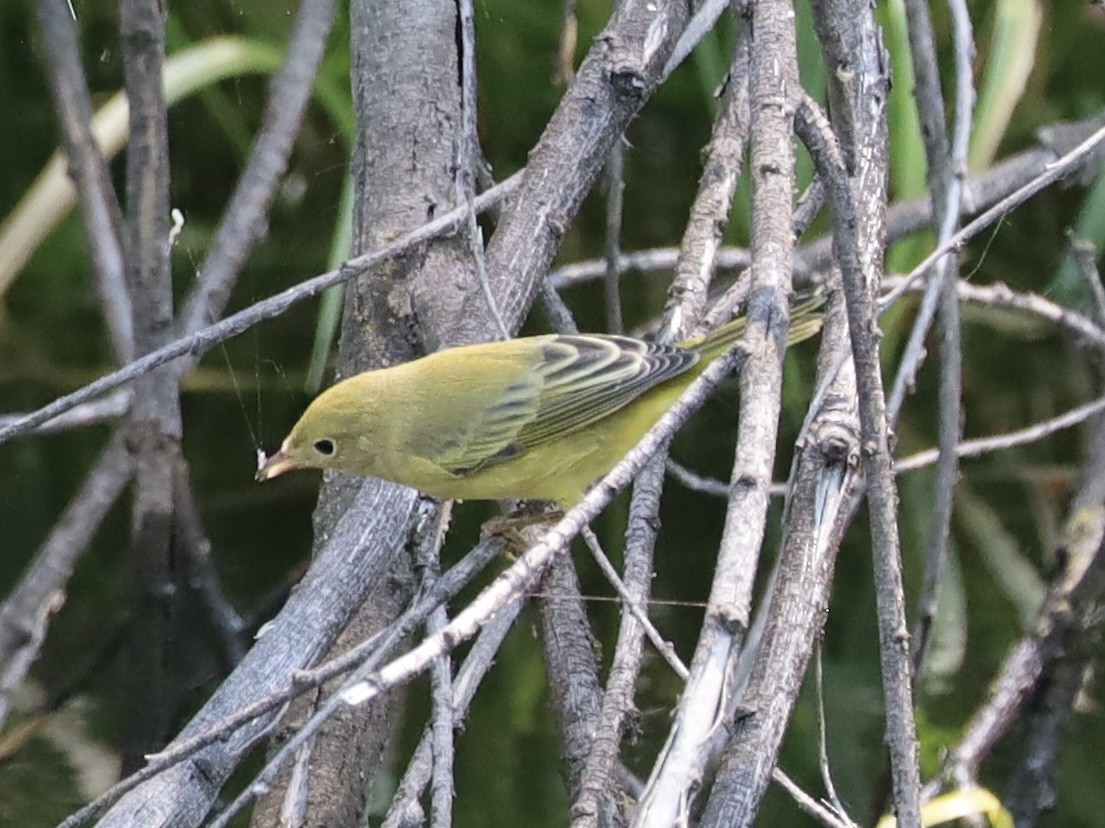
(538, 418)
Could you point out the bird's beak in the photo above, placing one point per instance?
(274, 466)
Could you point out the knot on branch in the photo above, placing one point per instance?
(204, 769)
(634, 48)
(730, 621)
(628, 81)
(558, 225)
(837, 440)
(747, 481)
(583, 810)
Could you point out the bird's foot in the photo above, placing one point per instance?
(521, 528)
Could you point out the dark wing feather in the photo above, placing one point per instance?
(490, 438)
(576, 381)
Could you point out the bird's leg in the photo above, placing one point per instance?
(523, 524)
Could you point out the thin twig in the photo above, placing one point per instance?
(1011, 439)
(203, 577)
(26, 610)
(709, 214)
(1000, 296)
(441, 678)
(662, 645)
(612, 242)
(975, 447)
(705, 18)
(809, 205)
(405, 808)
(205, 338)
(559, 313)
(1068, 163)
(809, 805)
(615, 197)
(947, 163)
(244, 220)
(100, 211)
(822, 737)
(861, 276)
(696, 482)
(728, 259)
(468, 156)
(109, 407)
(773, 83)
(617, 710)
(1085, 257)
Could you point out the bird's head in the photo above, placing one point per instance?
(329, 435)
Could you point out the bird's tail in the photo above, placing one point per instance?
(806, 315)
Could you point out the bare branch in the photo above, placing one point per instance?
(569, 647)
(812, 807)
(231, 326)
(632, 605)
(405, 808)
(1067, 616)
(710, 212)
(1003, 442)
(624, 67)
(946, 166)
(849, 36)
(244, 219)
(1069, 163)
(618, 710)
(203, 577)
(155, 418)
(341, 578)
(773, 91)
(469, 156)
(100, 211)
(443, 703)
(705, 18)
(108, 407)
(25, 613)
(615, 196)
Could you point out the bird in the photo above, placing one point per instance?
(534, 418)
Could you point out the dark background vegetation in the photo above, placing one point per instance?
(246, 395)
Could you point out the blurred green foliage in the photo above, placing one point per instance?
(51, 340)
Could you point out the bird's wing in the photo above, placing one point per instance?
(576, 381)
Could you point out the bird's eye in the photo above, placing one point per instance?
(325, 446)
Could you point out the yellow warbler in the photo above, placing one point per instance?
(542, 417)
